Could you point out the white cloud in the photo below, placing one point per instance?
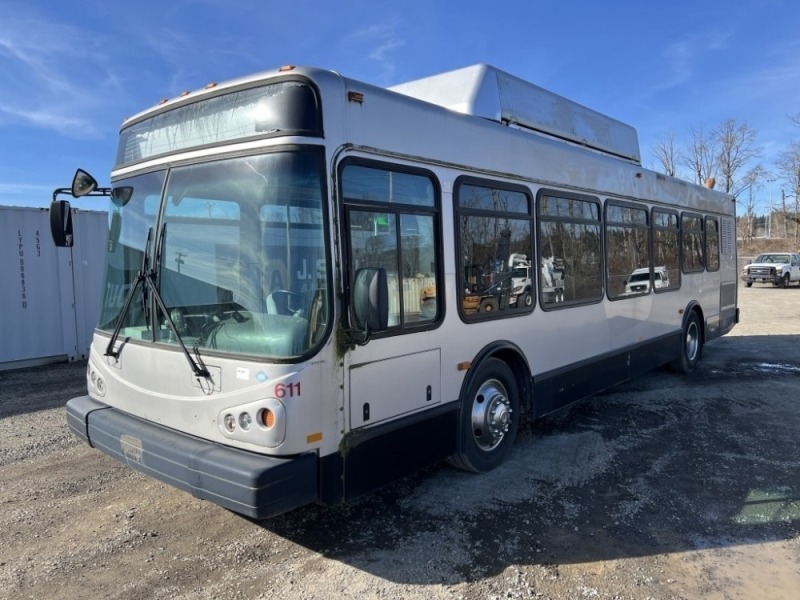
(381, 40)
(682, 58)
(7, 187)
(55, 119)
(44, 67)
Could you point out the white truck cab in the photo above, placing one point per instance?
(777, 268)
(639, 280)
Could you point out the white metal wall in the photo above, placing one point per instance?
(49, 297)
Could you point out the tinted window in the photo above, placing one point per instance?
(570, 256)
(495, 248)
(392, 222)
(712, 244)
(666, 248)
(627, 251)
(692, 251)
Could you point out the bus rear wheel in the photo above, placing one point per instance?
(691, 345)
(488, 419)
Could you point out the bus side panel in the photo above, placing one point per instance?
(728, 310)
(560, 388)
(655, 353)
(381, 454)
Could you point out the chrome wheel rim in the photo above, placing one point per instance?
(491, 415)
(692, 341)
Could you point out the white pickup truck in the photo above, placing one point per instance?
(777, 268)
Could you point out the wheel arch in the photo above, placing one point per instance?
(685, 363)
(694, 307)
(510, 354)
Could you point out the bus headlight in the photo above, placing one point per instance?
(262, 422)
(95, 381)
(245, 421)
(230, 423)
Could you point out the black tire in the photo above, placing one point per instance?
(785, 281)
(749, 283)
(525, 300)
(489, 305)
(489, 417)
(691, 346)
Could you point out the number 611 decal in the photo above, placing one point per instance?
(287, 390)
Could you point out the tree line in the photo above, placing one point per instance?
(728, 156)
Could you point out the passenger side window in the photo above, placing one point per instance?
(693, 254)
(712, 244)
(666, 250)
(392, 221)
(570, 256)
(495, 248)
(628, 253)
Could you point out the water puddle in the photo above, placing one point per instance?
(760, 368)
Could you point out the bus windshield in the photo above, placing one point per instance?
(237, 252)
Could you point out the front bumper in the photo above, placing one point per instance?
(762, 278)
(250, 484)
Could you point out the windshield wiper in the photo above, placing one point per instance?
(146, 280)
(140, 278)
(198, 369)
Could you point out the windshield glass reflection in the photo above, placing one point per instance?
(241, 256)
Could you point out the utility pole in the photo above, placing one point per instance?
(769, 209)
(179, 260)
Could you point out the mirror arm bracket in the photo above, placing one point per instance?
(97, 192)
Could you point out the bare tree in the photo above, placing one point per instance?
(751, 182)
(788, 165)
(736, 147)
(701, 155)
(667, 153)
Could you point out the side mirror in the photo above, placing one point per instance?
(83, 184)
(371, 300)
(61, 223)
(122, 195)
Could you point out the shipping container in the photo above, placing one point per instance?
(50, 296)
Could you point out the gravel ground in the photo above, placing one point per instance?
(667, 487)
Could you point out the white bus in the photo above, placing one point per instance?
(312, 284)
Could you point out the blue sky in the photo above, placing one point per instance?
(71, 71)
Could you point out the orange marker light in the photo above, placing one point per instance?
(267, 418)
(355, 97)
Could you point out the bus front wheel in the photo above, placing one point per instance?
(488, 418)
(691, 345)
